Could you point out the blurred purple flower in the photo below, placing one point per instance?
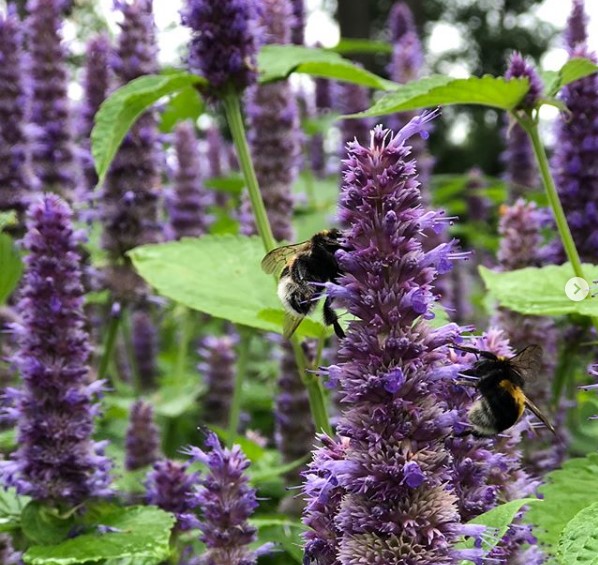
(145, 346)
(273, 132)
(576, 31)
(573, 160)
(478, 205)
(351, 99)
(395, 502)
(227, 502)
(217, 367)
(521, 172)
(298, 35)
(170, 486)
(130, 196)
(16, 175)
(518, 67)
(142, 443)
(224, 42)
(96, 86)
(188, 200)
(53, 151)
(56, 460)
(323, 104)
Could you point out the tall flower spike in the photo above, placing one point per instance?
(396, 505)
(188, 200)
(96, 85)
(224, 42)
(142, 444)
(145, 346)
(518, 67)
(227, 502)
(352, 98)
(298, 35)
(573, 159)
(130, 197)
(56, 460)
(273, 130)
(521, 172)
(576, 31)
(217, 367)
(323, 103)
(54, 159)
(16, 175)
(170, 486)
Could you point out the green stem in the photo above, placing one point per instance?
(109, 347)
(241, 370)
(531, 127)
(183, 346)
(232, 108)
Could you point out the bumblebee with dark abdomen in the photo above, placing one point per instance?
(304, 267)
(500, 382)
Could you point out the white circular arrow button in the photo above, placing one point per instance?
(577, 289)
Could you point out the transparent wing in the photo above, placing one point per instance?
(279, 257)
(290, 324)
(528, 362)
(538, 413)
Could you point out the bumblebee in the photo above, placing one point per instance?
(500, 382)
(304, 267)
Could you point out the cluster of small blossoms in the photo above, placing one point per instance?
(274, 134)
(17, 181)
(142, 442)
(386, 480)
(55, 408)
(224, 43)
(573, 161)
(227, 502)
(53, 152)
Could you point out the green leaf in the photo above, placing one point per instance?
(350, 45)
(44, 525)
(141, 533)
(579, 540)
(11, 267)
(566, 491)
(232, 184)
(185, 105)
(261, 476)
(439, 90)
(279, 61)
(218, 275)
(498, 521)
(540, 291)
(173, 400)
(282, 532)
(253, 451)
(7, 219)
(574, 69)
(11, 507)
(122, 109)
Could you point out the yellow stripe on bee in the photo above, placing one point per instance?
(516, 393)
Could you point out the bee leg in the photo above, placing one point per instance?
(331, 319)
(466, 383)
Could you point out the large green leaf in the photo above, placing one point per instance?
(574, 69)
(276, 62)
(579, 540)
(440, 90)
(352, 45)
(565, 492)
(540, 291)
(218, 275)
(45, 525)
(7, 219)
(122, 109)
(139, 533)
(11, 267)
(11, 507)
(186, 104)
(497, 521)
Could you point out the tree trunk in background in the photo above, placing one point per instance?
(353, 17)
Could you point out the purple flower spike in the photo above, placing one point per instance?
(171, 487)
(189, 200)
(518, 67)
(56, 460)
(521, 172)
(130, 196)
(391, 468)
(353, 98)
(273, 131)
(298, 35)
(96, 85)
(142, 444)
(227, 502)
(400, 21)
(54, 159)
(16, 175)
(323, 103)
(576, 31)
(218, 370)
(225, 38)
(573, 159)
(145, 346)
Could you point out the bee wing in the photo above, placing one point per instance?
(528, 361)
(279, 257)
(290, 324)
(538, 413)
